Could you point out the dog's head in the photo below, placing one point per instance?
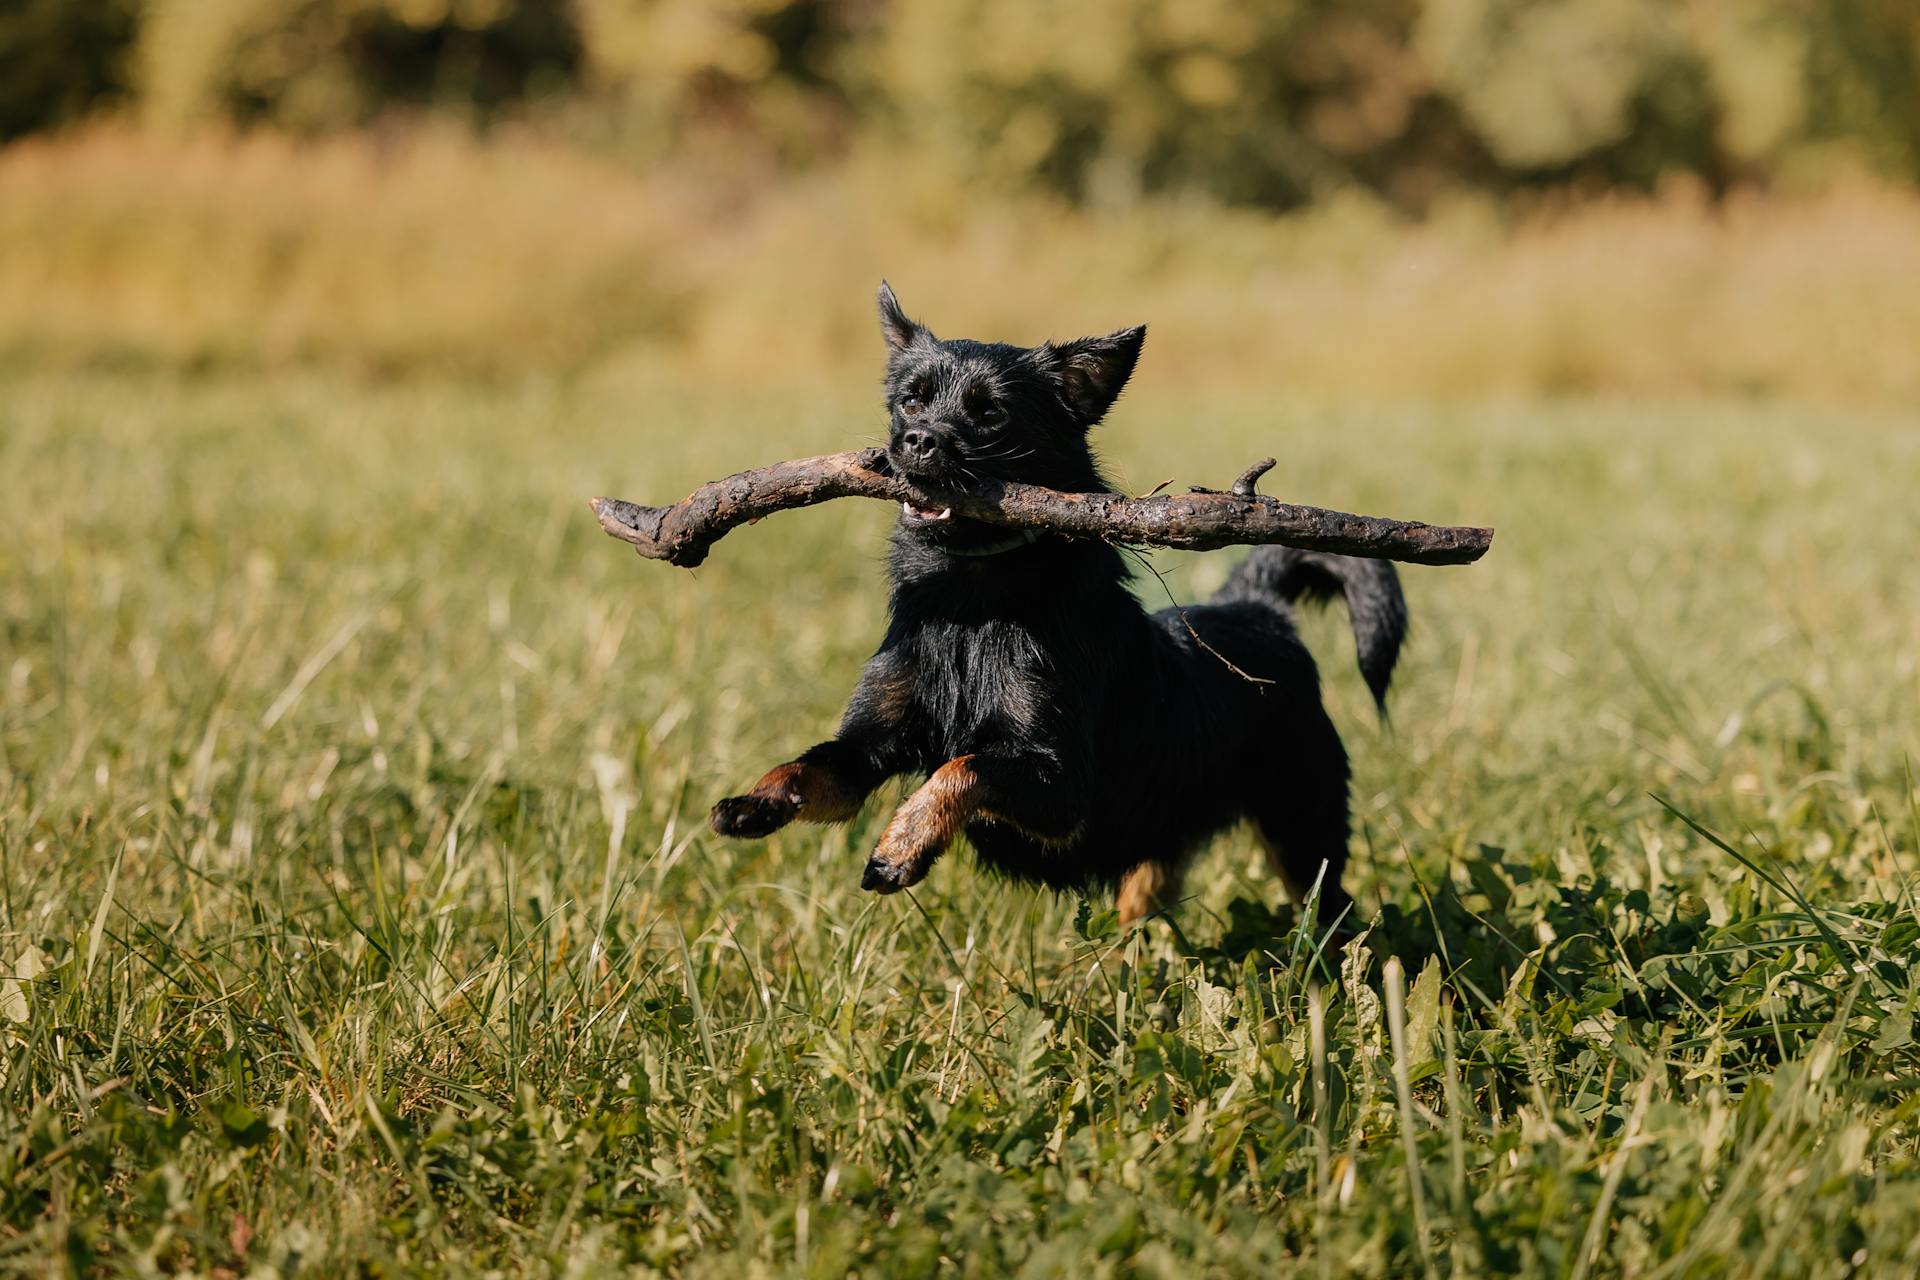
(964, 411)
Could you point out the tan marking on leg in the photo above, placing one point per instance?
(1144, 889)
(927, 822)
(818, 792)
(923, 826)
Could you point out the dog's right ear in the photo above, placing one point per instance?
(895, 327)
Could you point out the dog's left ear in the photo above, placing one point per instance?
(1092, 371)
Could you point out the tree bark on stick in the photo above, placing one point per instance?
(1199, 520)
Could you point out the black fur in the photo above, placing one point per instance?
(1097, 737)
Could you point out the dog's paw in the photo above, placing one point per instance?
(913, 841)
(883, 876)
(752, 815)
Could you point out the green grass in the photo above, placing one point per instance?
(359, 911)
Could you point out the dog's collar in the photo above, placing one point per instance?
(1012, 542)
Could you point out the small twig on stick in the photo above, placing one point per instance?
(1201, 520)
(1246, 485)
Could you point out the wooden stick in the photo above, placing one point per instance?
(1200, 520)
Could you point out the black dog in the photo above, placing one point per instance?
(1075, 738)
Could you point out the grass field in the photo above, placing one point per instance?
(360, 914)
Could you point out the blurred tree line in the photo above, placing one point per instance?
(1262, 102)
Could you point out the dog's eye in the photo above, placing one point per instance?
(992, 413)
(910, 404)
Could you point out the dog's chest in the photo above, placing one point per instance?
(979, 685)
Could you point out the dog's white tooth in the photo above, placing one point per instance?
(906, 508)
(946, 513)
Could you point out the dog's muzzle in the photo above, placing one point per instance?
(923, 451)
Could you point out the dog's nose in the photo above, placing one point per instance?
(918, 444)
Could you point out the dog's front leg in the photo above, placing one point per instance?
(924, 826)
(826, 784)
(963, 790)
(829, 782)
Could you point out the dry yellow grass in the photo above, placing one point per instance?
(424, 248)
(386, 251)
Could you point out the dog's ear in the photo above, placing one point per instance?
(1091, 371)
(895, 327)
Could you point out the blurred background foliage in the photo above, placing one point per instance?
(606, 173)
(1268, 103)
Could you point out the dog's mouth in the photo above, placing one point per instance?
(914, 514)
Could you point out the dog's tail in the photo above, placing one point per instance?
(1371, 588)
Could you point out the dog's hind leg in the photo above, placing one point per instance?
(1298, 871)
(1146, 888)
(1302, 820)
